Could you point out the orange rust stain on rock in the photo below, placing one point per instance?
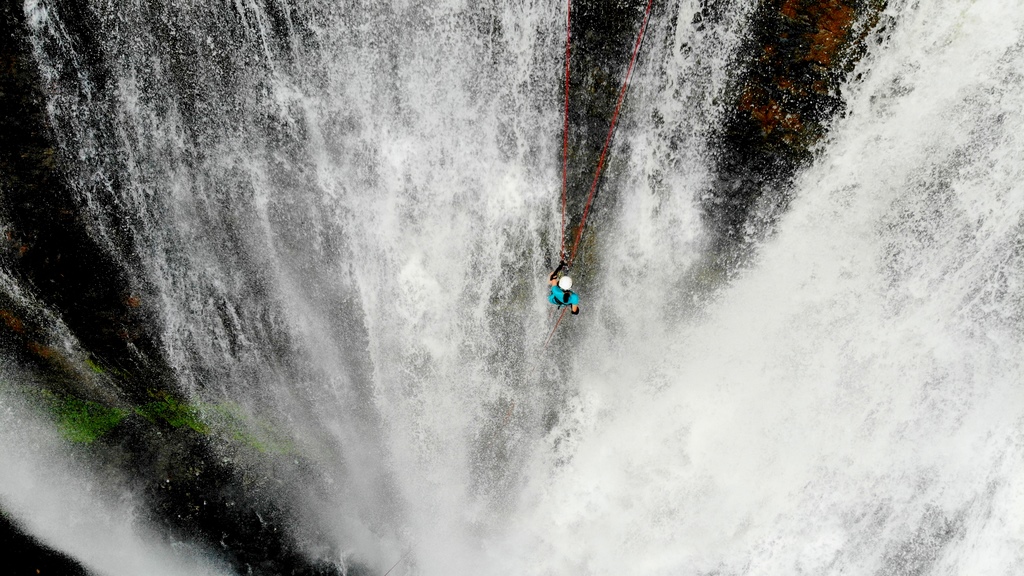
(833, 19)
(769, 115)
(133, 301)
(41, 350)
(750, 97)
(765, 110)
(768, 112)
(12, 321)
(792, 123)
(789, 8)
(790, 85)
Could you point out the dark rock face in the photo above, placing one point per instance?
(194, 492)
(46, 244)
(26, 556)
(797, 56)
(603, 36)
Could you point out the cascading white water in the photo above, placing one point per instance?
(347, 233)
(851, 403)
(62, 501)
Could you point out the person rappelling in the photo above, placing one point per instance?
(561, 295)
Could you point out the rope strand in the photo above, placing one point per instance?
(565, 125)
(557, 322)
(608, 139)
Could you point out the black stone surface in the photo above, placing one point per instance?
(25, 556)
(193, 493)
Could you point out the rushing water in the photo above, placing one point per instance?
(345, 215)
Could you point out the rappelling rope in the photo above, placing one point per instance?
(565, 124)
(607, 140)
(404, 556)
(559, 321)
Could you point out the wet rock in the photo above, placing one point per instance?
(793, 64)
(603, 36)
(26, 556)
(116, 395)
(47, 246)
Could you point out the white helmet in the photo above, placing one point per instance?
(565, 283)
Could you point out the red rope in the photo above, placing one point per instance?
(559, 321)
(399, 561)
(565, 126)
(611, 130)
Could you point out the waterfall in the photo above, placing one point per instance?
(340, 219)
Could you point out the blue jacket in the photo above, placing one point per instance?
(557, 297)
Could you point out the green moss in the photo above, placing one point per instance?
(168, 409)
(94, 366)
(225, 420)
(229, 421)
(102, 368)
(82, 420)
